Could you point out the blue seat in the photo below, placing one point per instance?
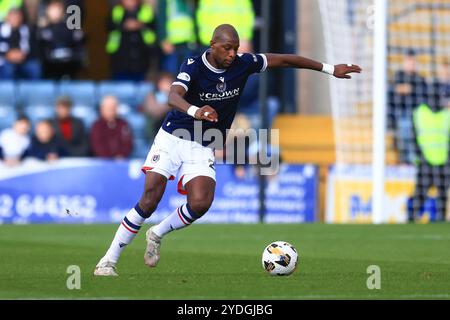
(142, 90)
(81, 92)
(87, 114)
(8, 116)
(125, 91)
(141, 147)
(138, 124)
(39, 112)
(8, 95)
(36, 93)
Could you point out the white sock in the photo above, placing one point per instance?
(180, 218)
(128, 229)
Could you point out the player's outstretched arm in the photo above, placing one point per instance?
(340, 71)
(177, 101)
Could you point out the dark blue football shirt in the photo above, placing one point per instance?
(218, 88)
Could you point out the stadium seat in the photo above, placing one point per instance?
(8, 94)
(36, 93)
(141, 148)
(8, 115)
(87, 114)
(39, 112)
(138, 124)
(82, 93)
(143, 89)
(125, 91)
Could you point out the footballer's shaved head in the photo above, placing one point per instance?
(225, 32)
(224, 46)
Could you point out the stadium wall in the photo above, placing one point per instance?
(103, 191)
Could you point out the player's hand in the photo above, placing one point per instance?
(342, 71)
(207, 113)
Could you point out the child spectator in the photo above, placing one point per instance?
(15, 141)
(45, 145)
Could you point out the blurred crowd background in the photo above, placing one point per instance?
(101, 90)
(58, 99)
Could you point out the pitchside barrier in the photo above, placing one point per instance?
(349, 196)
(101, 191)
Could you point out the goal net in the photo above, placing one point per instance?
(416, 166)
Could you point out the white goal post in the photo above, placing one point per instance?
(403, 47)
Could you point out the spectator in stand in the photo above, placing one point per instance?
(62, 49)
(78, 3)
(7, 5)
(17, 49)
(70, 129)
(176, 29)
(408, 91)
(15, 141)
(111, 137)
(36, 10)
(156, 105)
(45, 145)
(432, 146)
(132, 40)
(210, 14)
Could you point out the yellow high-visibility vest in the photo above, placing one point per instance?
(6, 5)
(180, 26)
(433, 133)
(238, 13)
(145, 15)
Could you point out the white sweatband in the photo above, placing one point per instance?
(192, 110)
(328, 69)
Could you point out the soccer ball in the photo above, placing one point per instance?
(280, 258)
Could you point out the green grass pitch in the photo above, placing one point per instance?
(224, 262)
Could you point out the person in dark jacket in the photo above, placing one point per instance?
(17, 49)
(111, 136)
(62, 49)
(408, 90)
(132, 40)
(70, 129)
(432, 149)
(45, 145)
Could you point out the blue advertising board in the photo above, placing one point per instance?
(102, 191)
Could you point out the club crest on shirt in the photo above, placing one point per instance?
(222, 86)
(155, 158)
